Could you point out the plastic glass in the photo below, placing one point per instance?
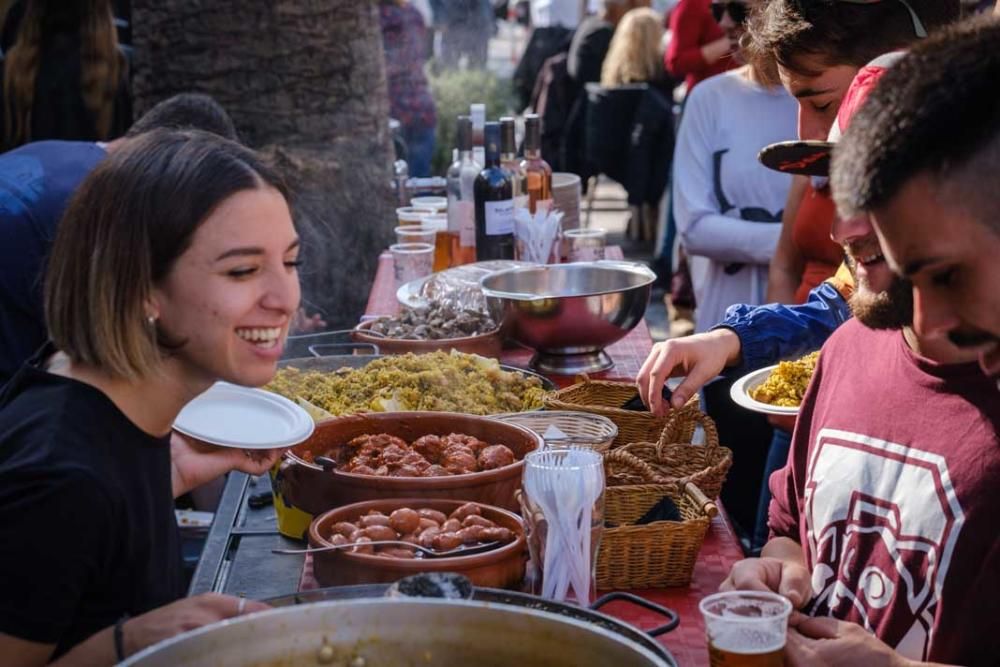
(585, 245)
(415, 233)
(411, 261)
(435, 204)
(442, 241)
(411, 215)
(746, 628)
(563, 491)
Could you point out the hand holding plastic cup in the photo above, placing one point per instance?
(411, 261)
(746, 628)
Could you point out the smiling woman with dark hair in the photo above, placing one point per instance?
(175, 266)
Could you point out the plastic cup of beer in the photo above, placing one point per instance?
(442, 242)
(746, 628)
(411, 261)
(415, 233)
(411, 215)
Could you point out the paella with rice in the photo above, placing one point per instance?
(787, 383)
(437, 382)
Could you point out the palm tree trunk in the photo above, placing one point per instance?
(304, 81)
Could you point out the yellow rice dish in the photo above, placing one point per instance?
(439, 382)
(787, 383)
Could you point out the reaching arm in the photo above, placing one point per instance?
(776, 331)
(98, 650)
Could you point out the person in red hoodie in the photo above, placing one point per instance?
(700, 47)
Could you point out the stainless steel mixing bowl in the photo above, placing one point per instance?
(570, 312)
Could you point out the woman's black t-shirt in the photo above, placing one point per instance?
(87, 527)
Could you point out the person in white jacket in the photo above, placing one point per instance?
(727, 205)
(728, 209)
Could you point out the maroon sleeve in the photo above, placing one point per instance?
(687, 23)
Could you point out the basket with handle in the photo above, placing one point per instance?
(674, 458)
(605, 398)
(657, 554)
(581, 429)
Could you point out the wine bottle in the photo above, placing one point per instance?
(478, 114)
(509, 161)
(537, 172)
(494, 196)
(461, 202)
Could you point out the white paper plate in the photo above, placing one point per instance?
(740, 393)
(234, 416)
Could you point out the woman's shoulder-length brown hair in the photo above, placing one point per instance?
(124, 228)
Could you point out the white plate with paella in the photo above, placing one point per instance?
(777, 389)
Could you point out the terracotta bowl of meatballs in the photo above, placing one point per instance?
(434, 524)
(384, 455)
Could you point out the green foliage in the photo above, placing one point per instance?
(454, 91)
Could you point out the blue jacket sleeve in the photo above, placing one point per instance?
(771, 333)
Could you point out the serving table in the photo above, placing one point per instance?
(237, 559)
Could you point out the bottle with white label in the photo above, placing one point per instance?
(494, 196)
(461, 203)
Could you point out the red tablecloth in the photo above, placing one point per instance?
(720, 549)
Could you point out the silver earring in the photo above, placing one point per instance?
(151, 321)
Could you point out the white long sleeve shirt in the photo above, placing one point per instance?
(727, 205)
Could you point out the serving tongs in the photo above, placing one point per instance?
(431, 553)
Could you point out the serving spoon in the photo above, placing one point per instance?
(432, 553)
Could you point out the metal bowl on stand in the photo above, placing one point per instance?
(570, 312)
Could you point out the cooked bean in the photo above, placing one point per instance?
(412, 538)
(374, 520)
(345, 528)
(337, 539)
(428, 523)
(446, 541)
(498, 533)
(451, 525)
(476, 520)
(471, 535)
(404, 520)
(395, 552)
(363, 547)
(433, 515)
(426, 538)
(465, 510)
(376, 533)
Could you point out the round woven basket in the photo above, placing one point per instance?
(581, 428)
(606, 399)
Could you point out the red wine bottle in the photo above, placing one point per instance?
(494, 197)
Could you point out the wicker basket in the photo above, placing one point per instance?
(674, 459)
(604, 398)
(658, 554)
(582, 428)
